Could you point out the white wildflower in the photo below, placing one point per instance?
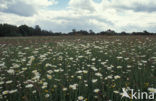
(80, 98)
(29, 86)
(96, 90)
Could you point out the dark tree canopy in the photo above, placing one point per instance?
(24, 30)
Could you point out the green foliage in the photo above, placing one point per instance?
(24, 30)
(87, 68)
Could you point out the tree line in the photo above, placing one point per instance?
(24, 30)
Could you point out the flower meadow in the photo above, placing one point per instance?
(76, 68)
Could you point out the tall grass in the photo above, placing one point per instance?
(85, 69)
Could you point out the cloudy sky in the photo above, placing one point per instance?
(65, 15)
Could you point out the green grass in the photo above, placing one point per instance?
(52, 64)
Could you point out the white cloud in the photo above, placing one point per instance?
(24, 7)
(16, 19)
(82, 4)
(135, 5)
(118, 15)
(43, 3)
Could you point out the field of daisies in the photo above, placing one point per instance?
(76, 68)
